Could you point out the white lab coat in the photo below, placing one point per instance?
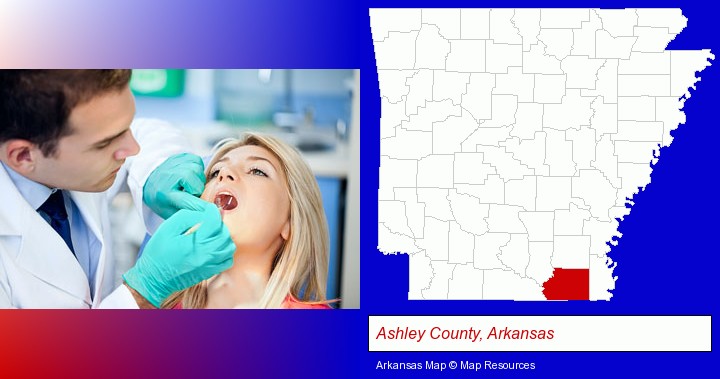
(37, 270)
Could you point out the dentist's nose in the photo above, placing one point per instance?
(128, 148)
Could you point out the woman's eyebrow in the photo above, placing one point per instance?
(223, 159)
(258, 158)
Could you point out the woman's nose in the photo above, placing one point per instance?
(225, 175)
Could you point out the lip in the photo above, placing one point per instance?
(118, 169)
(114, 172)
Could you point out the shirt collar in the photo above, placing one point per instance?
(34, 193)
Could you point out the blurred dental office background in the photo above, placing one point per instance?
(317, 111)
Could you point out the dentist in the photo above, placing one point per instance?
(68, 144)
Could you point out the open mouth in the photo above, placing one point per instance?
(225, 201)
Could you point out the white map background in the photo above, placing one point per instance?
(512, 140)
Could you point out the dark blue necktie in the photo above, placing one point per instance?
(54, 208)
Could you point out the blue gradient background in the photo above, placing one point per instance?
(668, 257)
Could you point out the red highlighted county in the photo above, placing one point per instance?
(568, 284)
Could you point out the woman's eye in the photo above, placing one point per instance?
(213, 174)
(257, 171)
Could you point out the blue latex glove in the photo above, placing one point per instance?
(173, 261)
(175, 185)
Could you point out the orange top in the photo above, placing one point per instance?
(293, 303)
(289, 303)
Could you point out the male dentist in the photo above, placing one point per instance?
(68, 143)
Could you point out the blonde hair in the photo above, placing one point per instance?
(300, 267)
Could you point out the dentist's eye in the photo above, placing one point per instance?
(257, 171)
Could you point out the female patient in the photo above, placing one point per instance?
(271, 204)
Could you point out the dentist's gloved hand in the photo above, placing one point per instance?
(172, 261)
(175, 185)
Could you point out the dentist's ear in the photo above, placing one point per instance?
(19, 154)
